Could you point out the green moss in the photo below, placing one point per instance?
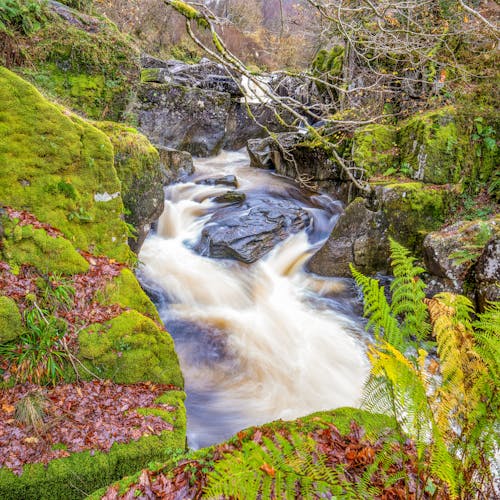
(130, 348)
(126, 291)
(137, 163)
(149, 75)
(43, 146)
(87, 63)
(11, 325)
(35, 247)
(80, 474)
(414, 209)
(374, 425)
(432, 147)
(375, 148)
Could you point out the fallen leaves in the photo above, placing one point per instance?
(352, 452)
(91, 415)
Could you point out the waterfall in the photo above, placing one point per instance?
(256, 341)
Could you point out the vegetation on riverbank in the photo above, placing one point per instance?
(79, 337)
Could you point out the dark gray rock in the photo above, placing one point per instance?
(252, 230)
(183, 118)
(175, 164)
(226, 180)
(231, 197)
(360, 237)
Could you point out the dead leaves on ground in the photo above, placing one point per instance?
(85, 416)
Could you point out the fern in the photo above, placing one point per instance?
(281, 469)
(452, 418)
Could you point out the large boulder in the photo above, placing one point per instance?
(255, 227)
(179, 117)
(197, 107)
(405, 212)
(60, 168)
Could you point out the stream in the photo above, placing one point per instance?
(256, 341)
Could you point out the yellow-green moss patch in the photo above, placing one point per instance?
(26, 245)
(130, 348)
(60, 168)
(126, 291)
(11, 325)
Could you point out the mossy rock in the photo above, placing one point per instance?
(26, 245)
(11, 325)
(82, 473)
(60, 168)
(374, 425)
(130, 348)
(126, 291)
(413, 209)
(432, 146)
(375, 148)
(82, 60)
(137, 163)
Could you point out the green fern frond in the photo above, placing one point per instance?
(377, 310)
(408, 293)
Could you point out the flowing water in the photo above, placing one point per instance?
(257, 341)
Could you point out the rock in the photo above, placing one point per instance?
(175, 164)
(360, 237)
(231, 197)
(197, 108)
(432, 147)
(65, 162)
(450, 254)
(303, 160)
(488, 274)
(262, 153)
(138, 166)
(133, 349)
(405, 212)
(188, 119)
(253, 229)
(227, 180)
(11, 325)
(375, 148)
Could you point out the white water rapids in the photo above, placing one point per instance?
(256, 342)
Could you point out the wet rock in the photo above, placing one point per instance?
(226, 180)
(175, 164)
(262, 153)
(451, 253)
(488, 274)
(187, 119)
(231, 197)
(360, 237)
(252, 230)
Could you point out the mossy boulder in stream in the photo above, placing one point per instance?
(130, 348)
(60, 168)
(10, 320)
(137, 163)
